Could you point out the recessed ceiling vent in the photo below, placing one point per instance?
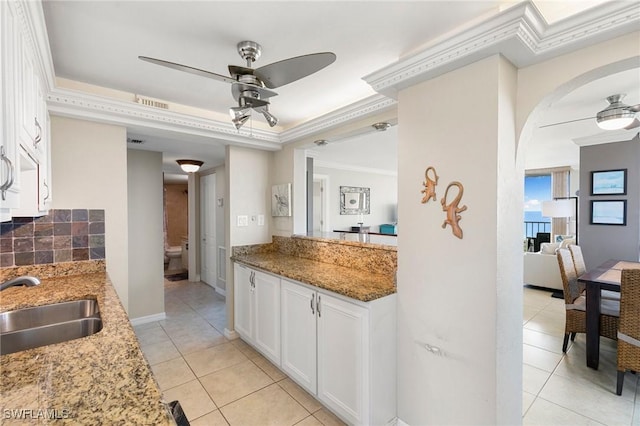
(135, 141)
(151, 102)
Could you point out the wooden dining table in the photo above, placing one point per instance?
(606, 276)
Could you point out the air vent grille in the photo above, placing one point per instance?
(135, 141)
(151, 102)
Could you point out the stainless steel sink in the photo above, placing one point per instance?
(45, 325)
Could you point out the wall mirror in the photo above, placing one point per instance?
(354, 200)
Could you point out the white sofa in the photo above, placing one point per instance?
(541, 268)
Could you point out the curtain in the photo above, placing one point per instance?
(559, 189)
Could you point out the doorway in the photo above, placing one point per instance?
(208, 246)
(320, 203)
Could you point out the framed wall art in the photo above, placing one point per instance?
(608, 212)
(281, 200)
(609, 182)
(354, 200)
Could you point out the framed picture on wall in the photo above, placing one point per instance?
(609, 212)
(609, 182)
(281, 200)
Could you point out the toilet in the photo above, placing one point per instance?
(175, 257)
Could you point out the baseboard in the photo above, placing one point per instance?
(147, 319)
(221, 291)
(231, 334)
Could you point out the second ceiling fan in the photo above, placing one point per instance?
(614, 117)
(250, 86)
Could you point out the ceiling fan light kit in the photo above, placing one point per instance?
(190, 166)
(250, 86)
(381, 127)
(617, 115)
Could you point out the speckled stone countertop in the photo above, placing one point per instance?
(286, 257)
(99, 379)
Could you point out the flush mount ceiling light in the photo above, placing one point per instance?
(190, 166)
(321, 142)
(617, 115)
(381, 127)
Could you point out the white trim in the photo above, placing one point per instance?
(147, 319)
(520, 33)
(400, 422)
(359, 169)
(231, 334)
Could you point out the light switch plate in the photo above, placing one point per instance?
(243, 220)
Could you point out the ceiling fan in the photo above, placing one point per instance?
(614, 117)
(250, 86)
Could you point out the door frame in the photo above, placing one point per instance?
(324, 181)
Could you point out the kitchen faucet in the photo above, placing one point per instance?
(23, 280)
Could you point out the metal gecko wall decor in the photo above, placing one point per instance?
(452, 209)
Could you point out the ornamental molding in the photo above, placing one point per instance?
(96, 108)
(520, 33)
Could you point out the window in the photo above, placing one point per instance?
(537, 188)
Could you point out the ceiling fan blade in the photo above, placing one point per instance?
(566, 122)
(635, 108)
(237, 70)
(289, 70)
(188, 69)
(635, 123)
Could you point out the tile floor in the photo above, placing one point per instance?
(217, 381)
(220, 382)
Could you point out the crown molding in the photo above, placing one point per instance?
(366, 107)
(520, 33)
(67, 102)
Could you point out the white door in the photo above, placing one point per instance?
(243, 300)
(318, 220)
(266, 302)
(343, 347)
(298, 317)
(208, 251)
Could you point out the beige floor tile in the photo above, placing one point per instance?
(146, 326)
(151, 336)
(245, 348)
(274, 372)
(193, 398)
(545, 413)
(216, 358)
(527, 400)
(303, 397)
(172, 373)
(542, 340)
(533, 379)
(214, 418)
(160, 352)
(327, 418)
(603, 406)
(529, 312)
(197, 340)
(269, 406)
(547, 322)
(309, 421)
(540, 358)
(235, 382)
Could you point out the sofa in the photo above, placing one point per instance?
(541, 268)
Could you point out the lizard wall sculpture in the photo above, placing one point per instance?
(429, 190)
(452, 209)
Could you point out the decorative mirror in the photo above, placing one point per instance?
(354, 200)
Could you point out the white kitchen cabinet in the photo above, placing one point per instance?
(299, 334)
(257, 310)
(25, 153)
(342, 351)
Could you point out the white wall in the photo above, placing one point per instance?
(460, 295)
(221, 184)
(383, 194)
(146, 239)
(89, 170)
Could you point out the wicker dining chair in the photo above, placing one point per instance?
(575, 304)
(629, 328)
(581, 268)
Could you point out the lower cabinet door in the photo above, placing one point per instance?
(343, 358)
(242, 301)
(266, 302)
(298, 317)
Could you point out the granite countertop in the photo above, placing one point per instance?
(354, 283)
(99, 379)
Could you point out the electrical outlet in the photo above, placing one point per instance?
(243, 220)
(253, 218)
(260, 220)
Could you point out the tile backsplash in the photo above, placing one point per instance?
(64, 235)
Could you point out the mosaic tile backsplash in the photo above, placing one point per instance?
(63, 235)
